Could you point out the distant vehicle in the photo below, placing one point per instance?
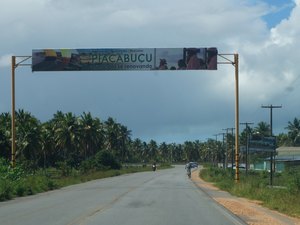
(192, 165)
(240, 167)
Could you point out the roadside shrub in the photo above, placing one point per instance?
(51, 184)
(6, 190)
(105, 159)
(292, 175)
(35, 184)
(11, 180)
(64, 168)
(86, 165)
(20, 189)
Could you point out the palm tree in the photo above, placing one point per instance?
(294, 132)
(92, 134)
(178, 153)
(212, 151)
(230, 146)
(50, 156)
(123, 140)
(111, 134)
(145, 155)
(188, 150)
(152, 150)
(136, 150)
(5, 135)
(117, 138)
(198, 148)
(263, 129)
(66, 135)
(247, 131)
(283, 140)
(164, 152)
(193, 151)
(28, 138)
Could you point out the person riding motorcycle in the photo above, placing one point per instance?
(188, 169)
(154, 166)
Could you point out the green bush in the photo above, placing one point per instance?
(292, 179)
(105, 159)
(20, 189)
(64, 168)
(52, 185)
(6, 190)
(87, 165)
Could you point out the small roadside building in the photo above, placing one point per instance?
(285, 157)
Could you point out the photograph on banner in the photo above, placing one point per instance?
(186, 58)
(124, 59)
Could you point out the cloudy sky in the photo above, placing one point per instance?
(164, 106)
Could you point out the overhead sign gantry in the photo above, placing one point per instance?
(121, 59)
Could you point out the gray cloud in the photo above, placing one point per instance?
(164, 106)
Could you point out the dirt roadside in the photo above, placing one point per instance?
(249, 211)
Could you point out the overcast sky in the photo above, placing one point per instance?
(163, 106)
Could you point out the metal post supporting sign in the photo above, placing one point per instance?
(14, 65)
(235, 63)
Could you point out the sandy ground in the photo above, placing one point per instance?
(249, 211)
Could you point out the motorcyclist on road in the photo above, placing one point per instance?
(154, 166)
(188, 169)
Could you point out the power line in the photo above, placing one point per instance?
(271, 107)
(247, 144)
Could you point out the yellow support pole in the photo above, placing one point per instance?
(13, 126)
(236, 65)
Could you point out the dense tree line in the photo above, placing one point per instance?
(74, 139)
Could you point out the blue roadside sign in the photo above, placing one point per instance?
(266, 144)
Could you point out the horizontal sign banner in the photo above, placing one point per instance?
(124, 59)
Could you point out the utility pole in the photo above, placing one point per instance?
(15, 62)
(216, 135)
(232, 149)
(223, 150)
(227, 147)
(271, 107)
(235, 63)
(247, 144)
(13, 110)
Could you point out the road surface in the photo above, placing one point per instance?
(164, 197)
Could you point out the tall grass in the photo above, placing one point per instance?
(284, 197)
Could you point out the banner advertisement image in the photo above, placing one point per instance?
(124, 59)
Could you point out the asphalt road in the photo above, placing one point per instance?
(164, 197)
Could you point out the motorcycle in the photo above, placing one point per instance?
(189, 173)
(188, 168)
(154, 167)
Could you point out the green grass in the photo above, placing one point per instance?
(255, 186)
